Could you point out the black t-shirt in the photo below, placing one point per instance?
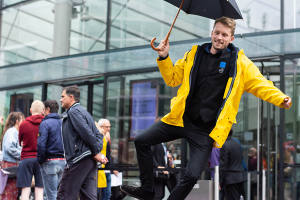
(207, 95)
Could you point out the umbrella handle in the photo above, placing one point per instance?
(152, 45)
(165, 40)
(167, 36)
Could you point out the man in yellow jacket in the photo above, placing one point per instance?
(212, 79)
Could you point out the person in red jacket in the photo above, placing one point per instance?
(29, 165)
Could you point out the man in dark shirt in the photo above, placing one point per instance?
(212, 79)
(162, 178)
(232, 172)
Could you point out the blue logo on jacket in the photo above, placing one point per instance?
(222, 66)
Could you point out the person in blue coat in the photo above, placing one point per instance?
(50, 149)
(82, 145)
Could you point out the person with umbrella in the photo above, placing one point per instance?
(212, 78)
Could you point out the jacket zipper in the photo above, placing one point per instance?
(230, 88)
(196, 55)
(67, 165)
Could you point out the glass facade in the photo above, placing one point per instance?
(19, 99)
(103, 47)
(30, 32)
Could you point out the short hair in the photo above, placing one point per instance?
(102, 121)
(37, 107)
(229, 22)
(73, 90)
(52, 104)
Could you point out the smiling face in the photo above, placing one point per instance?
(221, 37)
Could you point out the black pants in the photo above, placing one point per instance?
(116, 193)
(160, 184)
(200, 147)
(79, 180)
(234, 191)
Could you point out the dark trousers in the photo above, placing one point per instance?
(160, 184)
(79, 180)
(116, 193)
(234, 191)
(200, 147)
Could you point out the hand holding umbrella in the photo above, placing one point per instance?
(211, 9)
(163, 48)
(167, 36)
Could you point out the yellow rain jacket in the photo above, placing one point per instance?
(101, 173)
(246, 78)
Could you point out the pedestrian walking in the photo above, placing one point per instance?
(82, 144)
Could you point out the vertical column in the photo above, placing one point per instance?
(281, 14)
(62, 27)
(248, 185)
(44, 91)
(105, 94)
(1, 53)
(263, 185)
(121, 120)
(90, 98)
(216, 183)
(268, 174)
(1, 3)
(282, 113)
(259, 115)
(108, 25)
(281, 133)
(295, 14)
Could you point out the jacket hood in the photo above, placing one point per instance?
(35, 119)
(53, 116)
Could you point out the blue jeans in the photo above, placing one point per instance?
(106, 192)
(52, 171)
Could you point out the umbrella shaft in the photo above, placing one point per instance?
(167, 36)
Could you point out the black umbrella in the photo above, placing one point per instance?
(211, 9)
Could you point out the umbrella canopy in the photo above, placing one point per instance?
(212, 9)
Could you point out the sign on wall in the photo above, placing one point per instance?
(144, 100)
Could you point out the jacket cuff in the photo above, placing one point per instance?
(160, 58)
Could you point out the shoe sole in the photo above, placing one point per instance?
(130, 194)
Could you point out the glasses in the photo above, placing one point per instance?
(106, 126)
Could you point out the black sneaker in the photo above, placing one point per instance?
(137, 192)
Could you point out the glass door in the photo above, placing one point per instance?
(258, 131)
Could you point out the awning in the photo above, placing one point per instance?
(255, 45)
